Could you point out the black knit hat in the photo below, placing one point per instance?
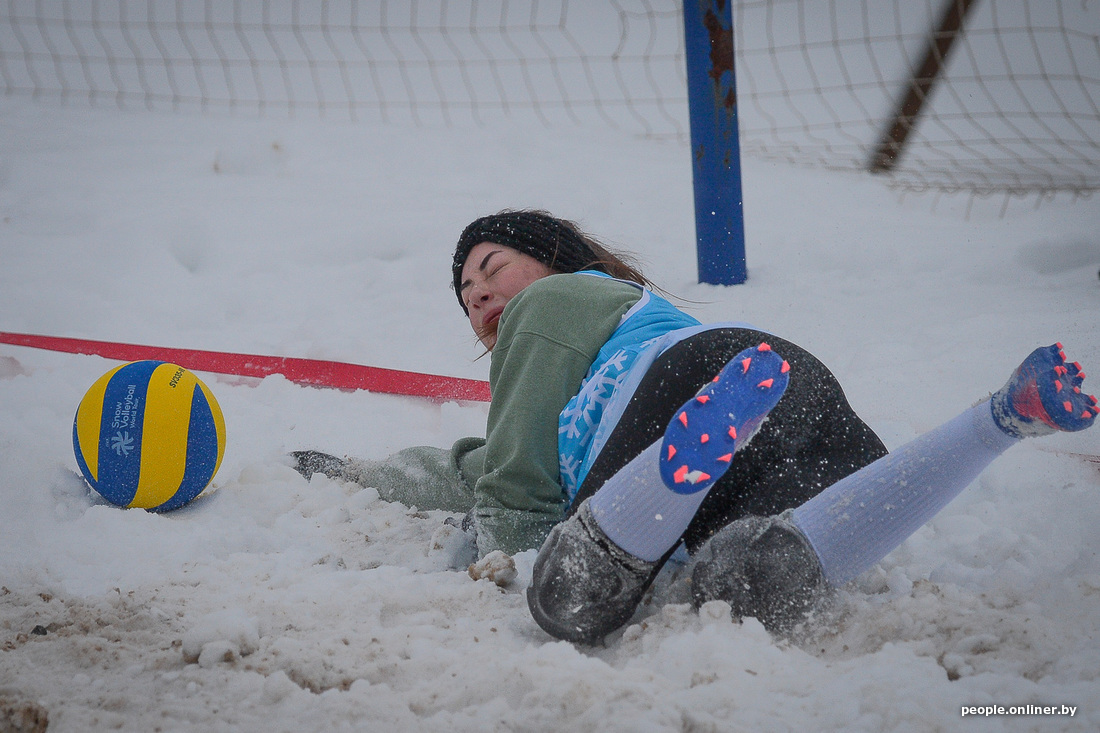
(551, 241)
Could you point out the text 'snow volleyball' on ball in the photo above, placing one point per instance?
(150, 435)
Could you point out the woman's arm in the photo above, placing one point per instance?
(425, 477)
(548, 337)
(421, 476)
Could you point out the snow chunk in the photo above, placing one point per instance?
(496, 566)
(221, 636)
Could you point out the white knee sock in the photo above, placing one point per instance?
(858, 520)
(638, 512)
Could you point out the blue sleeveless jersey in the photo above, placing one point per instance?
(648, 328)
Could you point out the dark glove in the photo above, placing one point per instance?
(309, 462)
(457, 549)
(466, 524)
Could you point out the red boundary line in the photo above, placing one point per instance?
(311, 372)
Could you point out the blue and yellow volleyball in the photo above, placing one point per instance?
(149, 435)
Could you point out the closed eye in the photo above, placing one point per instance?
(466, 284)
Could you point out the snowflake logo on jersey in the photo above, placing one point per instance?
(122, 443)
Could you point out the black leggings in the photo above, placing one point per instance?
(811, 440)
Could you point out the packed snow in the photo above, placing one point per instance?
(276, 604)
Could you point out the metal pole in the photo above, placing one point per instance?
(716, 154)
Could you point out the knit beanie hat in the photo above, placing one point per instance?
(549, 240)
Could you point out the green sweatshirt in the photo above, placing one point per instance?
(547, 339)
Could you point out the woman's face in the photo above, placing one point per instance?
(492, 276)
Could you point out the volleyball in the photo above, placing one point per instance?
(149, 435)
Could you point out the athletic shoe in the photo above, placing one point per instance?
(1044, 396)
(764, 568)
(722, 418)
(583, 586)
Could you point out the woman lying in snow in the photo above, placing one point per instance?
(621, 428)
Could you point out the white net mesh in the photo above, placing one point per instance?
(1017, 108)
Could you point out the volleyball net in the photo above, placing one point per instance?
(1015, 110)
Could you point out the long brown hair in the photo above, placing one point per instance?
(615, 263)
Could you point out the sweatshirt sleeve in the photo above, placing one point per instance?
(547, 339)
(425, 477)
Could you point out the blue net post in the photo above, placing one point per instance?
(716, 154)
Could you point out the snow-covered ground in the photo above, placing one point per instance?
(273, 604)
